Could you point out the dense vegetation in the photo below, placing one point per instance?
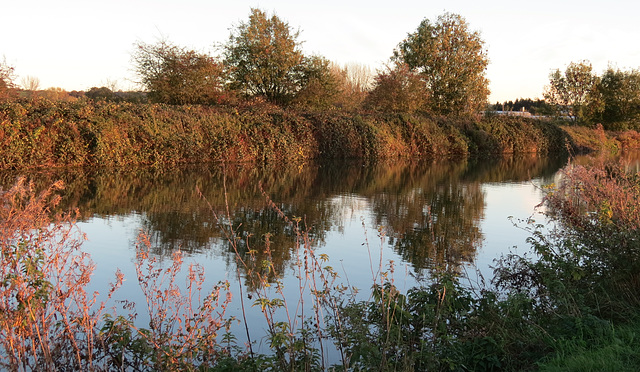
(57, 133)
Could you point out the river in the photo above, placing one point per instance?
(403, 218)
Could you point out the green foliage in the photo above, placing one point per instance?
(573, 307)
(574, 92)
(615, 349)
(568, 309)
(451, 61)
(612, 99)
(439, 327)
(598, 241)
(620, 94)
(583, 283)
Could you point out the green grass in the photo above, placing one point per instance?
(616, 350)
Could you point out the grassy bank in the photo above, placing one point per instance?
(43, 133)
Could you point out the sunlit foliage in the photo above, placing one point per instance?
(451, 61)
(177, 75)
(264, 58)
(398, 89)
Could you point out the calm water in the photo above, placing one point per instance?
(420, 215)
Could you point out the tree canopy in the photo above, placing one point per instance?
(620, 94)
(574, 91)
(451, 61)
(264, 58)
(398, 89)
(176, 75)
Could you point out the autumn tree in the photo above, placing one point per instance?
(56, 94)
(574, 92)
(265, 59)
(322, 84)
(397, 89)
(359, 77)
(358, 82)
(451, 61)
(177, 75)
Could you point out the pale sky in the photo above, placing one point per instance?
(78, 44)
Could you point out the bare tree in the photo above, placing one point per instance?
(359, 76)
(111, 84)
(30, 84)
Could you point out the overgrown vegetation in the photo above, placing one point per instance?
(39, 133)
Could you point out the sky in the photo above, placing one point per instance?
(79, 44)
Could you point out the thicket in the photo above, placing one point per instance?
(39, 133)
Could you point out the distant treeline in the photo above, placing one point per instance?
(534, 106)
(45, 133)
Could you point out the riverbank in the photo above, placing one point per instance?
(44, 133)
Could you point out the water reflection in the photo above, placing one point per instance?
(430, 210)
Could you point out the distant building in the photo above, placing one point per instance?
(522, 112)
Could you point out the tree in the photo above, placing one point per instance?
(574, 93)
(358, 83)
(176, 75)
(264, 58)
(322, 84)
(398, 89)
(7, 76)
(31, 84)
(56, 94)
(451, 61)
(359, 77)
(100, 94)
(620, 93)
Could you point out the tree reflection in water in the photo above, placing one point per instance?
(431, 210)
